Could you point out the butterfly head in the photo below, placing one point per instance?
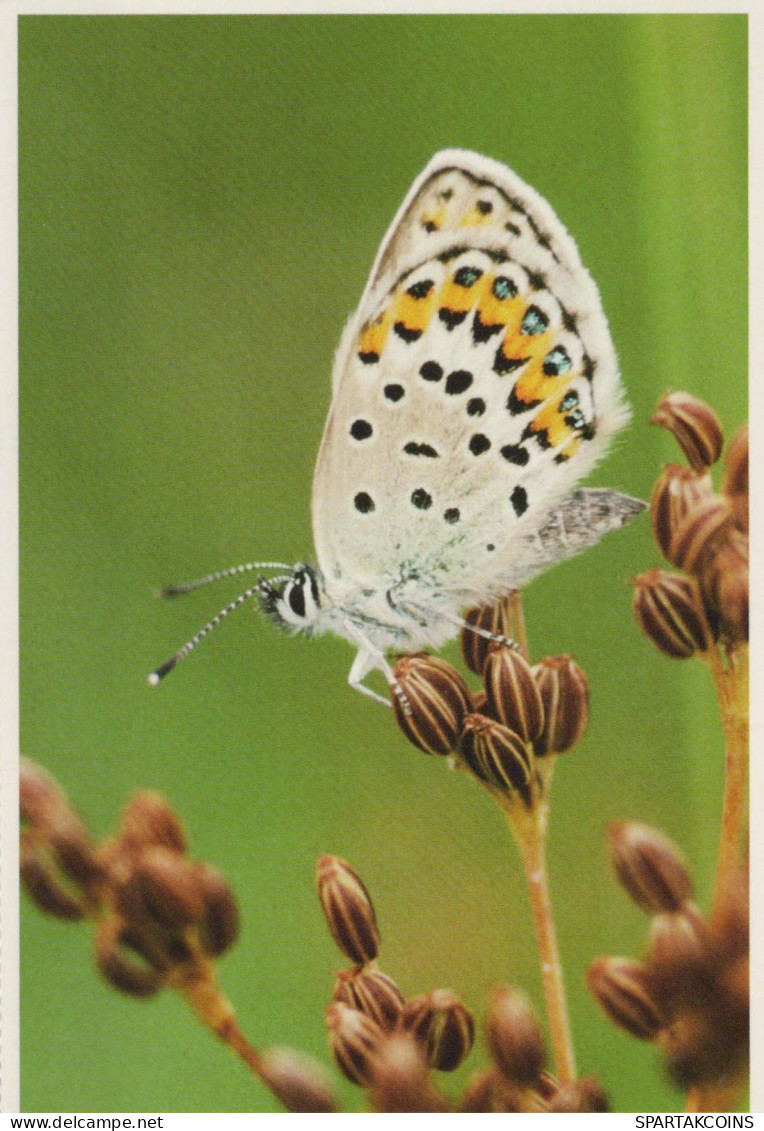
(292, 601)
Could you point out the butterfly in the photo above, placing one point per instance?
(473, 388)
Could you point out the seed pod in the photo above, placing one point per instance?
(371, 992)
(494, 753)
(353, 1038)
(160, 889)
(478, 1096)
(438, 699)
(42, 801)
(399, 1078)
(623, 988)
(695, 426)
(735, 479)
(70, 844)
(496, 618)
(649, 867)
(149, 819)
(725, 588)
(564, 691)
(700, 534)
(677, 491)
(219, 924)
(669, 612)
(122, 964)
(45, 888)
(579, 1096)
(513, 1035)
(443, 1025)
(512, 695)
(679, 942)
(298, 1081)
(348, 909)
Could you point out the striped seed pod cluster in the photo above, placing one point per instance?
(518, 1080)
(157, 915)
(689, 995)
(703, 533)
(379, 1040)
(523, 713)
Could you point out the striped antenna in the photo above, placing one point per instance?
(159, 673)
(189, 586)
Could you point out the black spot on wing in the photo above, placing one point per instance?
(361, 430)
(431, 371)
(364, 502)
(421, 499)
(519, 500)
(417, 448)
(394, 392)
(406, 332)
(479, 444)
(516, 454)
(458, 382)
(451, 318)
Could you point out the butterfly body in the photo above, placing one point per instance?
(473, 388)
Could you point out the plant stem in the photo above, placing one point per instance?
(529, 831)
(731, 681)
(200, 989)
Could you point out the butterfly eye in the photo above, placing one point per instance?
(296, 598)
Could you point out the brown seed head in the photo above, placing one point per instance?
(495, 618)
(700, 534)
(695, 426)
(679, 943)
(161, 889)
(121, 962)
(443, 1025)
(42, 801)
(219, 922)
(353, 1039)
(479, 1094)
(438, 699)
(371, 992)
(677, 492)
(725, 588)
(649, 867)
(149, 819)
(623, 988)
(45, 887)
(495, 754)
(564, 691)
(735, 479)
(348, 909)
(669, 612)
(513, 1035)
(298, 1081)
(512, 695)
(400, 1077)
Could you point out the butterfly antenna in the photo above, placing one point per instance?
(159, 673)
(189, 586)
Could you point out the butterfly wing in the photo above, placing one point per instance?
(474, 386)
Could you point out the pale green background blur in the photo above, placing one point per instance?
(201, 200)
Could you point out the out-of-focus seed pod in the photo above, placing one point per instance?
(353, 1038)
(564, 691)
(371, 992)
(443, 1025)
(219, 923)
(437, 698)
(45, 888)
(677, 492)
(669, 612)
(513, 1035)
(725, 588)
(348, 909)
(494, 753)
(735, 479)
(700, 534)
(512, 695)
(42, 801)
(70, 844)
(679, 941)
(298, 1081)
(496, 618)
(161, 889)
(624, 990)
(579, 1096)
(694, 425)
(399, 1078)
(149, 819)
(649, 867)
(125, 967)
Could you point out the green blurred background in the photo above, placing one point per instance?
(201, 199)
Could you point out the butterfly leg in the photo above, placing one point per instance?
(459, 622)
(369, 659)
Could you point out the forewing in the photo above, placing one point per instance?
(475, 385)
